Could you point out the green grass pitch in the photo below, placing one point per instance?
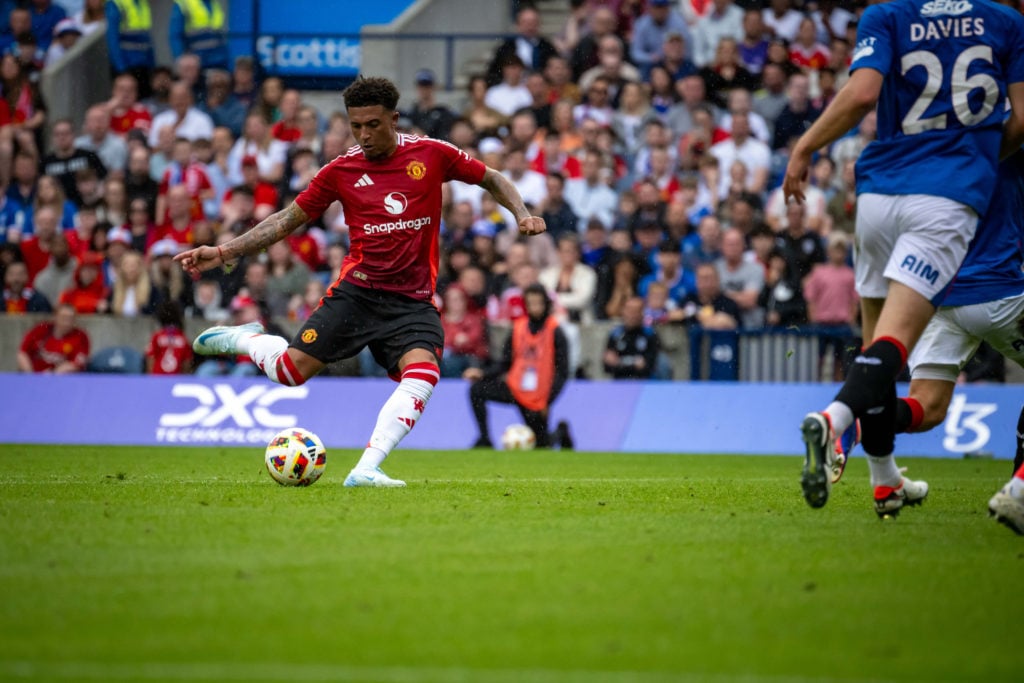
(161, 564)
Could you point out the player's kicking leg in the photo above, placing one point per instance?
(1007, 506)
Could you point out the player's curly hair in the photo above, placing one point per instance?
(367, 92)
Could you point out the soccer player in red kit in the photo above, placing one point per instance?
(390, 188)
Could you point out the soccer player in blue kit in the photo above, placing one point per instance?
(984, 303)
(940, 72)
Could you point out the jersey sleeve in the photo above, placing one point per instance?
(875, 42)
(320, 194)
(1015, 68)
(461, 166)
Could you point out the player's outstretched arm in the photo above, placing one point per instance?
(273, 228)
(1013, 131)
(853, 101)
(506, 194)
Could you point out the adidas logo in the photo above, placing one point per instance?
(365, 181)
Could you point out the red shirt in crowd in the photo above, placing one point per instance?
(393, 209)
(306, 248)
(262, 193)
(195, 180)
(135, 117)
(168, 231)
(34, 257)
(285, 133)
(170, 350)
(47, 351)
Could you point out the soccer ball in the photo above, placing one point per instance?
(518, 437)
(295, 457)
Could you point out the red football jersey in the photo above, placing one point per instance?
(47, 352)
(393, 210)
(136, 117)
(170, 351)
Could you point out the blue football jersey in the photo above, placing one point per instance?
(946, 65)
(992, 268)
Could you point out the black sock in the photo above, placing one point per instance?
(869, 382)
(1018, 459)
(878, 426)
(909, 415)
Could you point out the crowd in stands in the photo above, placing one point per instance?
(650, 135)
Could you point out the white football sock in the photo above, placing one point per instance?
(268, 351)
(1016, 485)
(840, 415)
(884, 471)
(400, 412)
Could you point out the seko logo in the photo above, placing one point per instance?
(396, 203)
(207, 422)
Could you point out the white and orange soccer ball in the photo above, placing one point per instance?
(295, 457)
(518, 437)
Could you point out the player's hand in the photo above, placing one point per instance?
(532, 225)
(796, 173)
(195, 261)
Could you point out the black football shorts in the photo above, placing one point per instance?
(350, 318)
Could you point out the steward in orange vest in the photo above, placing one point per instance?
(534, 368)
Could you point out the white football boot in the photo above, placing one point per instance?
(372, 478)
(1008, 509)
(223, 339)
(889, 501)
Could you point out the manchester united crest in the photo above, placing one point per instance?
(416, 170)
(309, 336)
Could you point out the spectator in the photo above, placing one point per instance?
(659, 307)
(741, 280)
(55, 347)
(631, 118)
(257, 142)
(650, 208)
(695, 146)
(167, 279)
(704, 245)
(692, 95)
(157, 97)
(740, 102)
(800, 245)
(125, 111)
(19, 297)
(603, 23)
(849, 148)
(831, 21)
(532, 49)
(617, 286)
(551, 158)
(678, 281)
(596, 105)
(465, 334)
(65, 34)
(798, 114)
(91, 16)
(531, 374)
(430, 116)
(186, 172)
(651, 30)
(244, 309)
(781, 20)
(309, 130)
(561, 85)
(20, 197)
(806, 52)
(138, 184)
(726, 72)
(183, 117)
(188, 70)
(771, 99)
(25, 106)
(286, 128)
(814, 215)
(90, 190)
(207, 303)
(119, 243)
(590, 196)
(265, 196)
(722, 20)
(662, 91)
(555, 210)
(632, 349)
(832, 303)
(58, 274)
(19, 23)
(614, 68)
(673, 58)
(169, 351)
(286, 277)
(88, 292)
(781, 297)
(485, 119)
(129, 44)
(178, 226)
(742, 146)
(223, 108)
(49, 193)
(778, 54)
(752, 45)
(708, 306)
(45, 17)
(132, 294)
(573, 282)
(510, 94)
(98, 138)
(199, 27)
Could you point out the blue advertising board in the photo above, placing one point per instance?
(307, 39)
(658, 417)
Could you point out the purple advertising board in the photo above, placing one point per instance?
(659, 417)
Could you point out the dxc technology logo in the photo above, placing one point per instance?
(222, 416)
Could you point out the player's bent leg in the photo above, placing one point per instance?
(280, 362)
(226, 339)
(926, 406)
(419, 374)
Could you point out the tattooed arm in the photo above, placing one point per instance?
(275, 227)
(506, 194)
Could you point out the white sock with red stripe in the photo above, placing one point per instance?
(268, 352)
(400, 412)
(1016, 484)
